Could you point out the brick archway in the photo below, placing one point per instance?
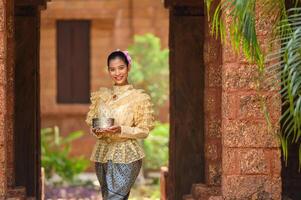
(200, 132)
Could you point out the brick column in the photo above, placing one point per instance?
(213, 90)
(6, 96)
(251, 154)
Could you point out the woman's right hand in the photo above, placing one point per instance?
(95, 132)
(99, 132)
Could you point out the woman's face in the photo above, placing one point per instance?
(118, 71)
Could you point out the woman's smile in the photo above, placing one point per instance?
(118, 71)
(118, 78)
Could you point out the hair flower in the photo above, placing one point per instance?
(128, 57)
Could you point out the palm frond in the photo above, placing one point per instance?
(282, 67)
(287, 71)
(242, 27)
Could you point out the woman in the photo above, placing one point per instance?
(117, 153)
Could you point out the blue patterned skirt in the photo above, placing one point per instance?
(116, 179)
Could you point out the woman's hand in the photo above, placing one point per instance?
(99, 132)
(95, 132)
(114, 129)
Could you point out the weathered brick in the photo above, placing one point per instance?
(251, 187)
(230, 56)
(2, 179)
(216, 198)
(214, 74)
(214, 176)
(2, 128)
(248, 133)
(213, 101)
(264, 24)
(213, 126)
(253, 161)
(249, 105)
(211, 151)
(230, 161)
(2, 73)
(274, 155)
(229, 105)
(246, 161)
(2, 17)
(2, 153)
(237, 76)
(211, 50)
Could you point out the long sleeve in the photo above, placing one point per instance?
(94, 98)
(143, 120)
(132, 110)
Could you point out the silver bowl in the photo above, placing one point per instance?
(102, 122)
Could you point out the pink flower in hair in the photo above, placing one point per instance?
(128, 57)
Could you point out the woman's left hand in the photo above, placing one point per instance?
(114, 129)
(106, 132)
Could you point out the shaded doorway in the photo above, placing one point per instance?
(187, 79)
(27, 100)
(290, 174)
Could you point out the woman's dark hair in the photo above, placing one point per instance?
(118, 54)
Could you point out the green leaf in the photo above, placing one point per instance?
(286, 63)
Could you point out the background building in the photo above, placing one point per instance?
(75, 41)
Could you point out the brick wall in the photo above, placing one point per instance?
(251, 154)
(6, 97)
(113, 25)
(213, 91)
(3, 109)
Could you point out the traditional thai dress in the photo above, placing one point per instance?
(118, 157)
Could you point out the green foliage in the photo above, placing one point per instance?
(241, 27)
(281, 66)
(285, 71)
(55, 154)
(150, 69)
(156, 147)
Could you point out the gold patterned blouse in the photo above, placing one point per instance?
(133, 111)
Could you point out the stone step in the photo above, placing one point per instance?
(188, 197)
(201, 191)
(16, 193)
(216, 198)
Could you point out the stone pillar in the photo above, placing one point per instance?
(213, 96)
(251, 154)
(3, 103)
(10, 186)
(6, 97)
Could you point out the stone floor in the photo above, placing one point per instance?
(90, 191)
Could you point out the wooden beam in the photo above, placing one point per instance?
(37, 3)
(27, 102)
(190, 3)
